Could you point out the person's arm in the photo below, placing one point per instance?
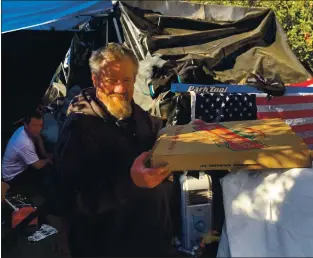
(41, 148)
(41, 163)
(30, 157)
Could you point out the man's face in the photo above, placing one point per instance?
(34, 127)
(115, 86)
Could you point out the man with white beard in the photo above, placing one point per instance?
(113, 204)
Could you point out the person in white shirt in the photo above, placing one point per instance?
(25, 156)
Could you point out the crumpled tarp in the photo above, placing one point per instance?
(268, 213)
(230, 41)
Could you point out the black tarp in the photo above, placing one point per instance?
(212, 43)
(231, 42)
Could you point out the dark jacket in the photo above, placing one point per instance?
(94, 155)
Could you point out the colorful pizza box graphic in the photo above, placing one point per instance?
(234, 140)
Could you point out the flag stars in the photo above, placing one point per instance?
(222, 107)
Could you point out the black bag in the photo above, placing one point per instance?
(191, 71)
(273, 87)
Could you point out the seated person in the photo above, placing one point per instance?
(22, 168)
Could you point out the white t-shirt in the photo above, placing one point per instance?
(20, 153)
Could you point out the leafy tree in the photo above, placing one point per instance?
(296, 17)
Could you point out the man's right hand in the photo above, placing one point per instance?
(49, 156)
(4, 189)
(42, 163)
(147, 177)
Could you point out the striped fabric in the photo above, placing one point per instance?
(308, 83)
(295, 109)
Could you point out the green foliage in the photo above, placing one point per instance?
(296, 17)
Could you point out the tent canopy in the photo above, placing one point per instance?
(49, 15)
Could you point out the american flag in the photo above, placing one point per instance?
(296, 109)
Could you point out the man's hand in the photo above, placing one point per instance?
(42, 163)
(147, 177)
(4, 189)
(49, 161)
(49, 156)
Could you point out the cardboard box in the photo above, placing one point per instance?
(257, 144)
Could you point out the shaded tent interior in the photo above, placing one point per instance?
(28, 60)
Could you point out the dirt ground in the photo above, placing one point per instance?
(50, 247)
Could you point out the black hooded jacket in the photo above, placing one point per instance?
(94, 155)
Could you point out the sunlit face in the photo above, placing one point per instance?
(34, 127)
(115, 86)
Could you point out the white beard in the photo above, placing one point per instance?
(120, 109)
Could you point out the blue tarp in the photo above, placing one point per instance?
(47, 15)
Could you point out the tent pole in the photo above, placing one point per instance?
(107, 32)
(65, 75)
(133, 31)
(117, 30)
